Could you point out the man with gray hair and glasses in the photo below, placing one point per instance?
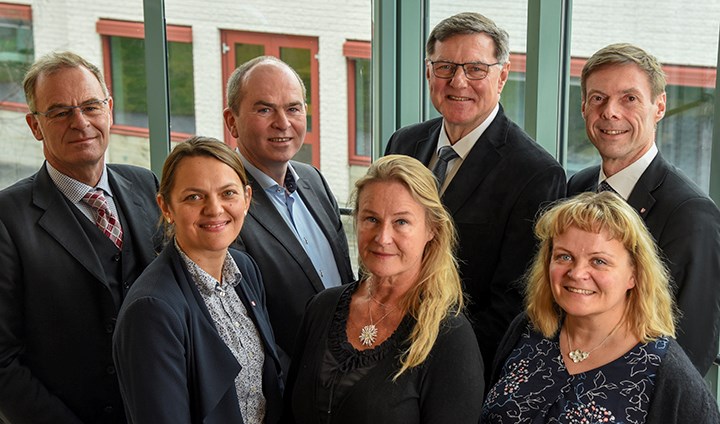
(492, 176)
(73, 238)
(623, 99)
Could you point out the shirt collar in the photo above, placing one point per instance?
(205, 282)
(624, 181)
(463, 146)
(73, 189)
(262, 178)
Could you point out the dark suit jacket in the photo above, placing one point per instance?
(57, 313)
(288, 273)
(172, 364)
(686, 226)
(493, 199)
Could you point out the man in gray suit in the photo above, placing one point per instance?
(293, 229)
(73, 238)
(623, 99)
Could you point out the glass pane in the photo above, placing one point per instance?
(685, 41)
(129, 84)
(16, 55)
(21, 153)
(299, 59)
(363, 130)
(245, 52)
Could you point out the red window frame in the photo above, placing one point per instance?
(272, 44)
(354, 50)
(15, 11)
(107, 28)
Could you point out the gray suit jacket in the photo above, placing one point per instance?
(686, 226)
(57, 313)
(493, 199)
(288, 273)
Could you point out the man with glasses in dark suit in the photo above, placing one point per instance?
(492, 176)
(73, 239)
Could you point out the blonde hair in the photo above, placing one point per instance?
(438, 291)
(650, 309)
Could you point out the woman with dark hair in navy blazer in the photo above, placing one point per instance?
(193, 342)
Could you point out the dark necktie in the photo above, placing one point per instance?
(105, 220)
(604, 186)
(447, 153)
(290, 184)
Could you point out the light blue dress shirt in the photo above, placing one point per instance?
(302, 223)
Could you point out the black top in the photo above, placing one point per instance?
(332, 382)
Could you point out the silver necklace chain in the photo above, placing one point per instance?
(579, 355)
(368, 334)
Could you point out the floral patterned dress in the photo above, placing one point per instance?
(535, 387)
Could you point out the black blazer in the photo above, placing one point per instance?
(686, 226)
(288, 273)
(172, 364)
(57, 313)
(493, 199)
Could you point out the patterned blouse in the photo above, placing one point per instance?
(237, 330)
(535, 387)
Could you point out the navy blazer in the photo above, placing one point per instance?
(685, 223)
(172, 364)
(493, 199)
(57, 311)
(288, 273)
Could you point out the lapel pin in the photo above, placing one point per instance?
(252, 302)
(642, 210)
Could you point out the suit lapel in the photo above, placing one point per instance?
(481, 160)
(263, 211)
(425, 148)
(641, 197)
(60, 222)
(138, 222)
(208, 347)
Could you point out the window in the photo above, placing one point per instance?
(301, 54)
(124, 58)
(16, 53)
(359, 105)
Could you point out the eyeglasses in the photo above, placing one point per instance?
(473, 70)
(90, 109)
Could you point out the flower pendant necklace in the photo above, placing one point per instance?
(579, 355)
(368, 334)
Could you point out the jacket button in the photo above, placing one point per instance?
(117, 257)
(108, 409)
(110, 369)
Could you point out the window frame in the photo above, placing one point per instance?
(107, 28)
(272, 43)
(353, 50)
(23, 12)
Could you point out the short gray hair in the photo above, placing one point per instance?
(470, 23)
(53, 62)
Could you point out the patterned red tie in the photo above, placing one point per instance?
(105, 220)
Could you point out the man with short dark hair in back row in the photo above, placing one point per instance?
(623, 99)
(293, 228)
(493, 177)
(73, 239)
